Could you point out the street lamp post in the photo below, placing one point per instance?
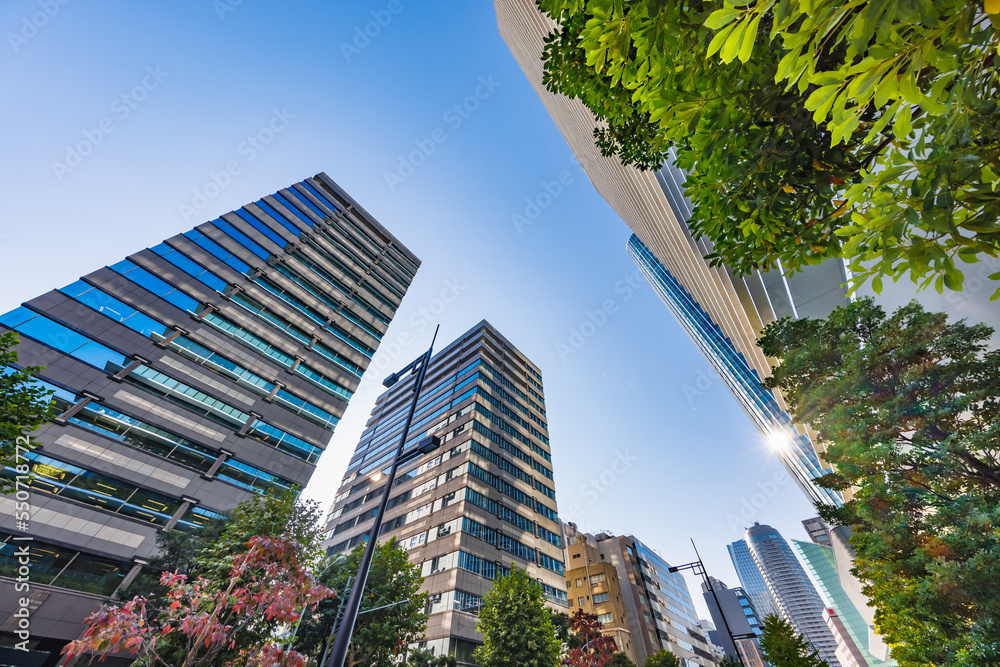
(698, 567)
(338, 654)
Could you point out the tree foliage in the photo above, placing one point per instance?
(424, 658)
(381, 636)
(200, 625)
(621, 660)
(781, 646)
(908, 406)
(517, 628)
(24, 406)
(563, 625)
(662, 658)
(809, 129)
(596, 649)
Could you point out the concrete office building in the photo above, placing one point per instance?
(188, 377)
(485, 498)
(592, 585)
(657, 602)
(734, 608)
(790, 586)
(722, 312)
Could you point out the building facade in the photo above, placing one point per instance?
(752, 581)
(797, 599)
(844, 618)
(483, 500)
(734, 608)
(592, 585)
(188, 377)
(658, 605)
(722, 312)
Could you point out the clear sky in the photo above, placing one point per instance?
(182, 85)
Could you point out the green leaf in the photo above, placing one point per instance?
(721, 18)
(719, 39)
(746, 49)
(733, 43)
(902, 126)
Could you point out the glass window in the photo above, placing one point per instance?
(601, 597)
(218, 251)
(277, 217)
(64, 568)
(189, 266)
(240, 238)
(116, 309)
(596, 578)
(155, 285)
(286, 442)
(292, 208)
(605, 618)
(64, 339)
(250, 219)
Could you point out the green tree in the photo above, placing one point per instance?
(908, 407)
(382, 635)
(662, 658)
(563, 625)
(621, 660)
(782, 647)
(517, 628)
(424, 658)
(730, 661)
(865, 129)
(24, 406)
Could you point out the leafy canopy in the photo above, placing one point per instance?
(908, 406)
(24, 406)
(662, 658)
(517, 628)
(809, 129)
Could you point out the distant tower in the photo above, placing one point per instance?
(794, 593)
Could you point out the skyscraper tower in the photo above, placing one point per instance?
(485, 498)
(722, 311)
(188, 377)
(794, 593)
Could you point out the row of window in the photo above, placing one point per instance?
(64, 339)
(242, 267)
(98, 490)
(53, 565)
(510, 398)
(502, 379)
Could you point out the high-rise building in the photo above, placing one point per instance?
(592, 585)
(790, 586)
(821, 567)
(188, 377)
(657, 602)
(837, 538)
(722, 311)
(752, 580)
(485, 498)
(735, 609)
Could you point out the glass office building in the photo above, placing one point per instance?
(483, 499)
(821, 566)
(741, 379)
(186, 378)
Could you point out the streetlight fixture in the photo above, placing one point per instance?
(338, 654)
(698, 567)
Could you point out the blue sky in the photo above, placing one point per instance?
(118, 114)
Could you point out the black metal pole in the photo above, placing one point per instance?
(338, 655)
(336, 624)
(722, 612)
